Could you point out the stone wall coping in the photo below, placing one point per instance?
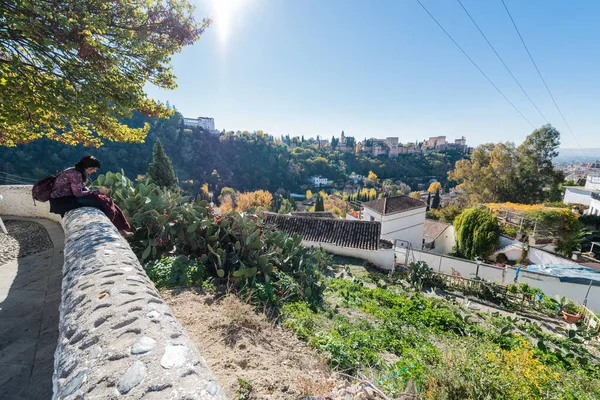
(117, 337)
(19, 203)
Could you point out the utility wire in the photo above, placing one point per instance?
(16, 176)
(502, 61)
(13, 181)
(474, 64)
(540, 74)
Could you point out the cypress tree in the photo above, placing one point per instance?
(435, 203)
(320, 206)
(428, 201)
(161, 170)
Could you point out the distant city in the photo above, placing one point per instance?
(374, 147)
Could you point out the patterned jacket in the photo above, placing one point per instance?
(70, 183)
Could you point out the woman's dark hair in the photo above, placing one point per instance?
(86, 162)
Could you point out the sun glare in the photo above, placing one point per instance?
(226, 14)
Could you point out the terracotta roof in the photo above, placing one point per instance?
(340, 232)
(433, 229)
(315, 214)
(393, 205)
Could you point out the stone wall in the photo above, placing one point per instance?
(117, 337)
(17, 201)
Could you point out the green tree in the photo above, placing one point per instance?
(319, 205)
(489, 176)
(428, 201)
(501, 172)
(537, 178)
(161, 170)
(477, 232)
(570, 239)
(69, 69)
(435, 203)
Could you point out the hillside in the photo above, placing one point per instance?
(242, 160)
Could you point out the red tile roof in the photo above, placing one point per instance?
(393, 205)
(340, 232)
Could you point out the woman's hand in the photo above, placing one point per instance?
(103, 190)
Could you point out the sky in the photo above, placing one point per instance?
(384, 68)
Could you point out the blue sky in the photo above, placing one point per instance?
(384, 68)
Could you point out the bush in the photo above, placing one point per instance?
(501, 258)
(175, 271)
(239, 248)
(477, 233)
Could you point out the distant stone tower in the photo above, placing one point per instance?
(343, 140)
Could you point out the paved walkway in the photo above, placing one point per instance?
(30, 289)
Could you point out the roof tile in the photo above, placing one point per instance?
(393, 205)
(340, 232)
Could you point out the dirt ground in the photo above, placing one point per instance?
(251, 358)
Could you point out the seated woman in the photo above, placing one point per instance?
(69, 192)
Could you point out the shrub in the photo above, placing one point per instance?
(501, 258)
(175, 271)
(231, 246)
(477, 233)
(418, 273)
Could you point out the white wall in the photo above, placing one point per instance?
(406, 225)
(578, 196)
(17, 202)
(594, 207)
(445, 243)
(537, 256)
(383, 258)
(592, 182)
(549, 284)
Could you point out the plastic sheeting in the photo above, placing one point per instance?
(574, 273)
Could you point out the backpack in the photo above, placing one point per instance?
(42, 189)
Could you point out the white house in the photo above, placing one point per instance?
(438, 237)
(360, 239)
(588, 195)
(401, 217)
(595, 204)
(318, 181)
(206, 123)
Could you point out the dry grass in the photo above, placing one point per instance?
(239, 343)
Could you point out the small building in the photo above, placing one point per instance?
(401, 218)
(206, 123)
(588, 195)
(359, 239)
(438, 237)
(318, 181)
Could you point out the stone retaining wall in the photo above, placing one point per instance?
(17, 201)
(117, 337)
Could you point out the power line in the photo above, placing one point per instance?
(541, 77)
(474, 64)
(502, 61)
(16, 176)
(13, 181)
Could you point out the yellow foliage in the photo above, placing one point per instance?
(415, 195)
(527, 376)
(435, 186)
(204, 189)
(309, 194)
(244, 201)
(372, 194)
(227, 204)
(372, 177)
(323, 194)
(516, 207)
(263, 199)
